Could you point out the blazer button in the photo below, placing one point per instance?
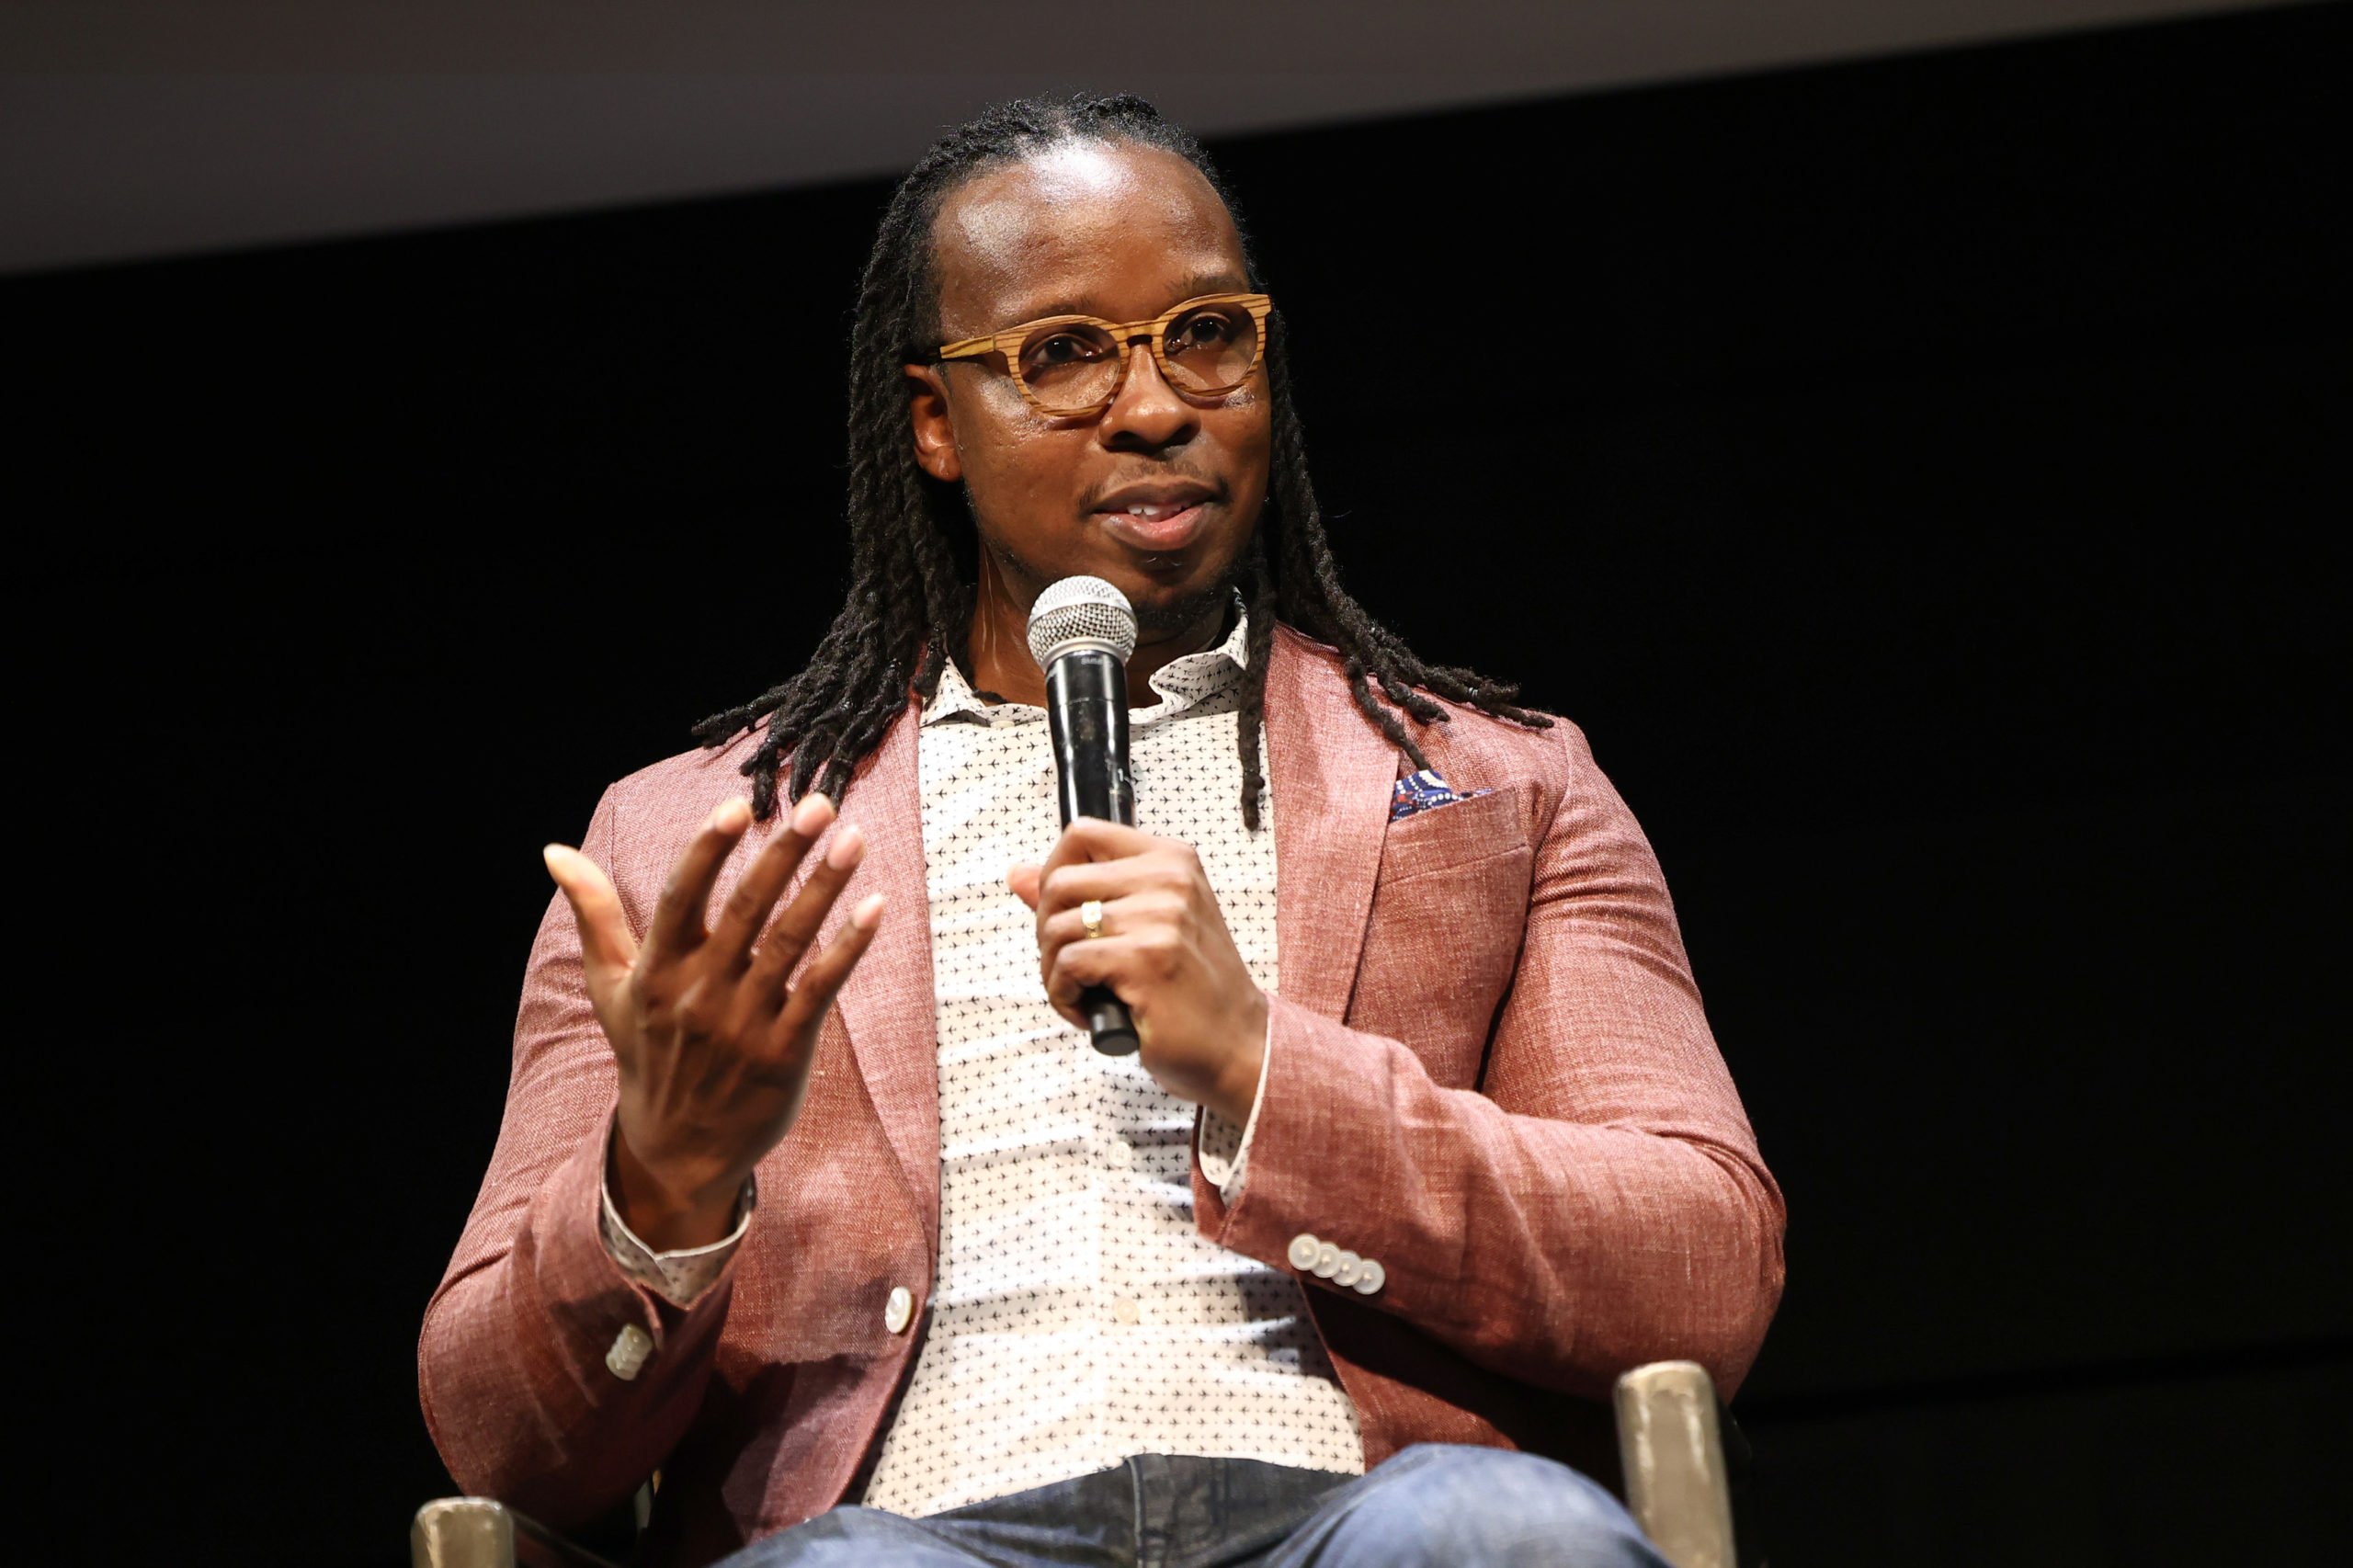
(1350, 1265)
(1327, 1261)
(1371, 1277)
(632, 1346)
(1303, 1248)
(900, 1310)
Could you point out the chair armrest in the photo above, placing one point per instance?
(1672, 1449)
(475, 1532)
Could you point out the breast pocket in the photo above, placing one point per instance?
(1448, 912)
(1446, 837)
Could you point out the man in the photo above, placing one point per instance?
(1427, 1140)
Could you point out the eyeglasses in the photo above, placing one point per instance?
(1072, 367)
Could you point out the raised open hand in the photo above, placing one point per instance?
(711, 1043)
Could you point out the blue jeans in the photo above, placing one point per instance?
(1434, 1503)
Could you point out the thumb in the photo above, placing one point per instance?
(607, 950)
(1023, 879)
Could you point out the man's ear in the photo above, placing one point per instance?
(935, 426)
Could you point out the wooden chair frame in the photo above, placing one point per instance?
(1006, 347)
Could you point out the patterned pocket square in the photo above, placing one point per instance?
(1426, 791)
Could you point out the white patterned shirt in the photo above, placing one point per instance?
(1078, 1316)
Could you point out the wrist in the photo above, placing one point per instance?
(1236, 1090)
(666, 1207)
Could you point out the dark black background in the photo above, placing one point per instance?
(1920, 477)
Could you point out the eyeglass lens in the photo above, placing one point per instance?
(1207, 350)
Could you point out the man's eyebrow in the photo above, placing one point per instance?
(1191, 288)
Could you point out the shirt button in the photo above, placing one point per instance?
(1327, 1261)
(631, 1346)
(1371, 1277)
(1303, 1248)
(1119, 1156)
(900, 1310)
(1350, 1264)
(1123, 1311)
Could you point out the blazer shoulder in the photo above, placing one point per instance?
(1549, 751)
(1467, 727)
(647, 816)
(687, 785)
(1471, 749)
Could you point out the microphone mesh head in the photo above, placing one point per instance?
(1081, 610)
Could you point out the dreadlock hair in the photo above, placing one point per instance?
(908, 530)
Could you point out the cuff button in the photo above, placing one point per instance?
(1327, 1261)
(632, 1346)
(1371, 1277)
(1303, 1248)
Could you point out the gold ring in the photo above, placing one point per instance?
(1090, 916)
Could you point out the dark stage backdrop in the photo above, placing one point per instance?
(1920, 477)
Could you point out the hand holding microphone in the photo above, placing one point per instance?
(1081, 631)
(1155, 954)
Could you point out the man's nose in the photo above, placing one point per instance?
(1147, 411)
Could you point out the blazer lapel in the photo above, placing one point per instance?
(1332, 774)
(887, 1004)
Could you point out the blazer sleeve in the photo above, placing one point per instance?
(1597, 1202)
(513, 1365)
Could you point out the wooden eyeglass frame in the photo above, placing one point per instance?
(1007, 345)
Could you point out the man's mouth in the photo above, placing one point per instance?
(1157, 529)
(1158, 520)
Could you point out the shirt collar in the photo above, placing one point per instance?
(1195, 681)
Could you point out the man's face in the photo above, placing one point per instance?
(1122, 233)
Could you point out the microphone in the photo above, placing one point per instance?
(1081, 631)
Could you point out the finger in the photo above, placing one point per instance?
(1148, 911)
(821, 981)
(1091, 838)
(607, 950)
(1023, 879)
(794, 929)
(747, 909)
(1112, 961)
(1066, 887)
(677, 925)
(1131, 916)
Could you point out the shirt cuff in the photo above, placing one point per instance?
(679, 1277)
(1223, 1149)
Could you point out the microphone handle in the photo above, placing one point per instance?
(1086, 708)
